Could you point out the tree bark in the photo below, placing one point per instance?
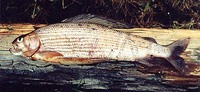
(19, 72)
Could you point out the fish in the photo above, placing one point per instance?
(86, 43)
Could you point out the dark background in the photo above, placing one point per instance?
(138, 13)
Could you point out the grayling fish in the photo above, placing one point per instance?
(84, 43)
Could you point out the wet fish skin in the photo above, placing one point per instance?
(85, 43)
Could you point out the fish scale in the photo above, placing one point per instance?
(86, 41)
(90, 38)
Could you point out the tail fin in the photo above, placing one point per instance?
(177, 48)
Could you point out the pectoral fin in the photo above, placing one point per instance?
(69, 61)
(46, 56)
(56, 57)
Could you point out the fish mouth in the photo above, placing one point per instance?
(15, 51)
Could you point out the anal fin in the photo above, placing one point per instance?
(149, 39)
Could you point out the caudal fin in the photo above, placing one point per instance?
(177, 48)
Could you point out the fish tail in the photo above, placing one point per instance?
(177, 48)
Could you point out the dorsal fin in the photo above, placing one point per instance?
(95, 19)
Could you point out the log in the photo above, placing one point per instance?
(19, 72)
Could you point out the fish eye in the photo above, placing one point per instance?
(20, 39)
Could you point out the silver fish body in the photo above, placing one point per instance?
(84, 41)
(94, 41)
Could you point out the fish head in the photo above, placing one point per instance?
(25, 43)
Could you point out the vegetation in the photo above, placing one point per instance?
(139, 13)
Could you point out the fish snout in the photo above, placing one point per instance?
(14, 50)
